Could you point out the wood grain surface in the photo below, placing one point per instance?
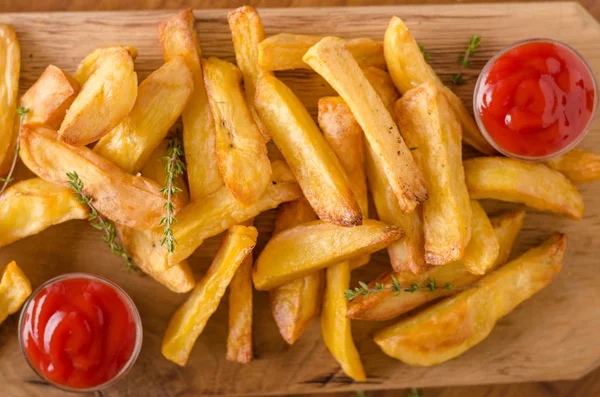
(552, 336)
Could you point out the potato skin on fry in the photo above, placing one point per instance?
(15, 288)
(577, 165)
(10, 64)
(532, 184)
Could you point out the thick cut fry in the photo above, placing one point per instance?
(284, 51)
(433, 133)
(482, 252)
(106, 97)
(335, 326)
(178, 37)
(10, 64)
(409, 69)
(332, 60)
(515, 181)
(162, 96)
(303, 249)
(189, 320)
(451, 327)
(94, 59)
(383, 85)
(33, 205)
(123, 198)
(50, 96)
(577, 165)
(14, 290)
(315, 165)
(241, 149)
(239, 338)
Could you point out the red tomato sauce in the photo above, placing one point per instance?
(79, 332)
(536, 99)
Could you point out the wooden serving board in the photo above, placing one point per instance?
(555, 335)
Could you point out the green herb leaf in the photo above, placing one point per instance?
(464, 60)
(174, 167)
(424, 52)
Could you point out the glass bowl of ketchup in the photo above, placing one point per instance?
(80, 332)
(535, 99)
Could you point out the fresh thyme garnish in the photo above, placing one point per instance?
(22, 112)
(424, 52)
(98, 222)
(464, 61)
(414, 392)
(174, 168)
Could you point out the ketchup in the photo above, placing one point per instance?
(536, 99)
(79, 332)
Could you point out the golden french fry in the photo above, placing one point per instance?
(482, 252)
(14, 290)
(123, 198)
(303, 249)
(315, 165)
(10, 64)
(131, 142)
(577, 165)
(332, 60)
(239, 338)
(451, 327)
(189, 320)
(246, 33)
(241, 149)
(106, 97)
(178, 37)
(515, 181)
(409, 69)
(384, 86)
(94, 59)
(284, 51)
(432, 132)
(386, 304)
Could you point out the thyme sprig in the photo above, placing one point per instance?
(424, 52)
(464, 60)
(98, 222)
(22, 112)
(174, 166)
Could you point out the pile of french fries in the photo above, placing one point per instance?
(395, 130)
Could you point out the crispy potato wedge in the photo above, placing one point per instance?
(315, 165)
(451, 327)
(577, 165)
(33, 205)
(130, 200)
(384, 86)
(189, 320)
(178, 37)
(483, 249)
(131, 142)
(50, 96)
(106, 97)
(247, 32)
(432, 131)
(515, 181)
(94, 59)
(335, 326)
(332, 60)
(239, 338)
(284, 51)
(10, 65)
(408, 69)
(241, 149)
(303, 249)
(15, 288)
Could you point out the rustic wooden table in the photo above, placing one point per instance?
(586, 387)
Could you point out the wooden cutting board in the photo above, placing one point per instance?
(555, 335)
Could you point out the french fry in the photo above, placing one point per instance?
(239, 338)
(303, 249)
(315, 165)
(284, 51)
(332, 60)
(131, 142)
(123, 198)
(14, 290)
(383, 85)
(94, 59)
(432, 131)
(10, 64)
(189, 320)
(296, 304)
(386, 305)
(241, 149)
(246, 33)
(515, 181)
(409, 69)
(33, 205)
(482, 253)
(451, 327)
(178, 37)
(106, 97)
(577, 165)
